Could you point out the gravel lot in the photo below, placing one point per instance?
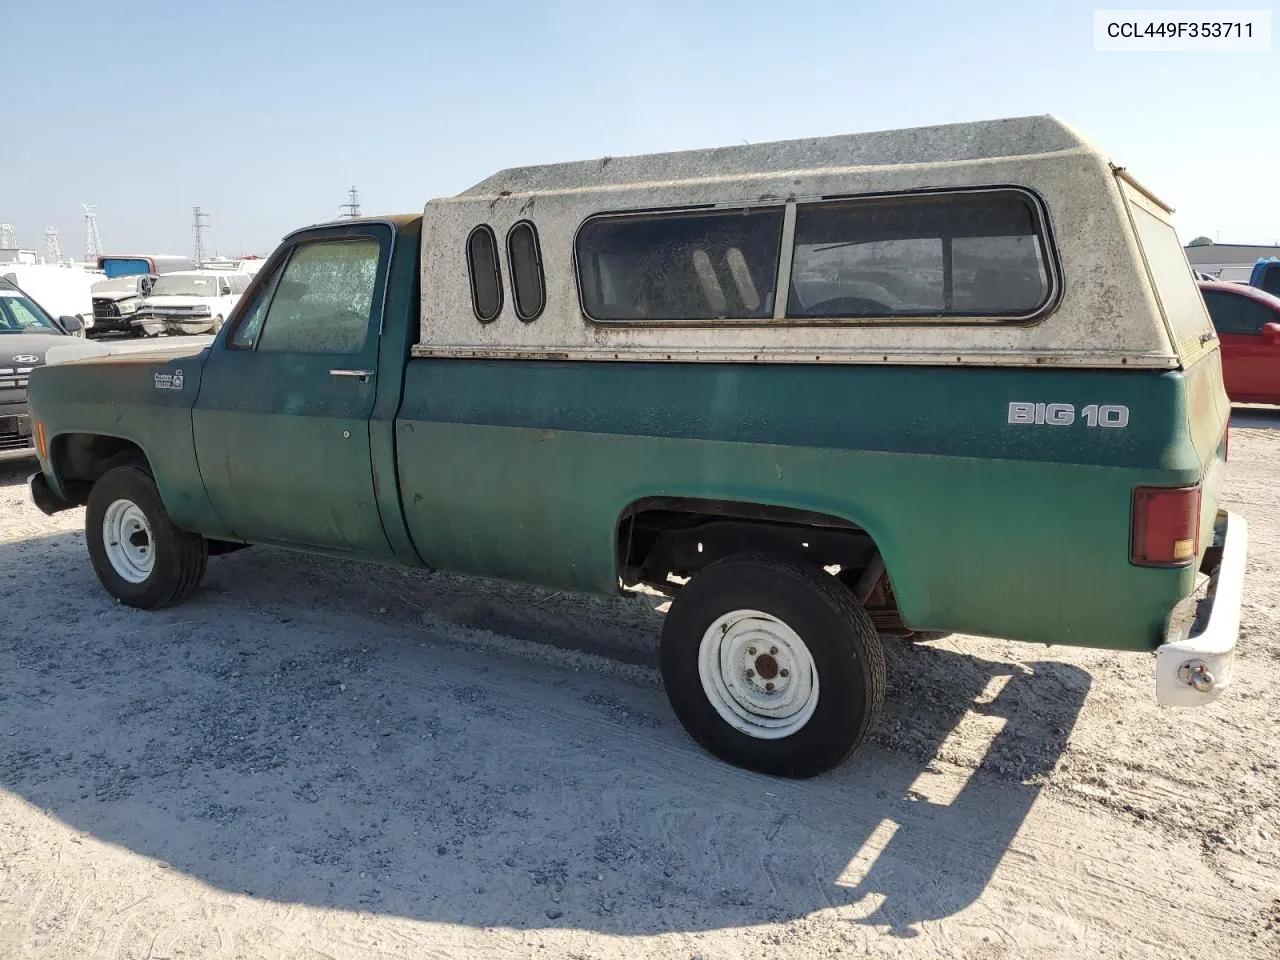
(323, 760)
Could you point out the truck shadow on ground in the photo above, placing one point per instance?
(318, 732)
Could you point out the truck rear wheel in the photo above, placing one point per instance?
(140, 557)
(772, 665)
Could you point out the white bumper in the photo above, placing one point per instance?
(1197, 668)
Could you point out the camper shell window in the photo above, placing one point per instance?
(525, 260)
(692, 265)
(971, 254)
(485, 273)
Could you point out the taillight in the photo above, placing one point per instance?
(1166, 526)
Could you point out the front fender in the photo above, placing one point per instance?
(144, 399)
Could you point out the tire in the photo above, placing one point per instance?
(126, 499)
(705, 627)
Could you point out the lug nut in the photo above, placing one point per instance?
(750, 674)
(769, 687)
(773, 651)
(751, 651)
(784, 673)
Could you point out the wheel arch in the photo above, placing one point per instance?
(77, 459)
(689, 532)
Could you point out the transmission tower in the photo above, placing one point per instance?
(198, 218)
(52, 252)
(351, 209)
(92, 242)
(8, 237)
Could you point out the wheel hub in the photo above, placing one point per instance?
(126, 537)
(758, 674)
(766, 666)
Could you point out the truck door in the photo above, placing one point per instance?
(281, 422)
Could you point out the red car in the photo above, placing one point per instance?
(1248, 323)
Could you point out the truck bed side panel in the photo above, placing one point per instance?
(521, 468)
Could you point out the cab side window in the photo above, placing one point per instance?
(1232, 313)
(321, 302)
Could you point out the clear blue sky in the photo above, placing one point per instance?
(265, 112)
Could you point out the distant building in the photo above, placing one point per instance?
(1229, 261)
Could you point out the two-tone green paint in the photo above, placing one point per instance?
(521, 468)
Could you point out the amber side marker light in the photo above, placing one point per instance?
(42, 447)
(1166, 526)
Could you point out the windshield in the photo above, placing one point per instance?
(117, 285)
(174, 285)
(20, 315)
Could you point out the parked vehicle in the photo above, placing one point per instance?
(816, 391)
(135, 264)
(190, 301)
(26, 332)
(1266, 275)
(60, 290)
(116, 302)
(1248, 324)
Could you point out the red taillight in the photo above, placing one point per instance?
(1166, 526)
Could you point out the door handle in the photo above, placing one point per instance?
(364, 376)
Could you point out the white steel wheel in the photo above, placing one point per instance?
(758, 674)
(743, 647)
(126, 535)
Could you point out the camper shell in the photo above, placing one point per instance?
(1030, 183)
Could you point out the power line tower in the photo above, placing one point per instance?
(198, 218)
(351, 209)
(52, 251)
(8, 237)
(92, 242)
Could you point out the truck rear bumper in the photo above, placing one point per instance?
(1196, 666)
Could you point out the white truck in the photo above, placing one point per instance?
(190, 301)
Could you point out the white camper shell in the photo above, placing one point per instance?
(1011, 241)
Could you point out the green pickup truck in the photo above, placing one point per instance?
(820, 392)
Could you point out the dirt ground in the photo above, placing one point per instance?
(316, 760)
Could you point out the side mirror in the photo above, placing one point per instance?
(71, 325)
(1271, 332)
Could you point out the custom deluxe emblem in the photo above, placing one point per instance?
(25, 358)
(169, 381)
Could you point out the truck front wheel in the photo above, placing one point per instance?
(772, 665)
(140, 557)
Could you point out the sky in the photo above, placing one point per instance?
(266, 112)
